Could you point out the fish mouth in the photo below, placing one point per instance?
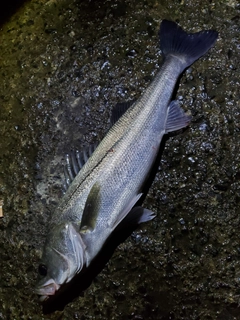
(49, 288)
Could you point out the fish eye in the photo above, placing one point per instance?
(42, 269)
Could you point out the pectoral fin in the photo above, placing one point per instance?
(91, 209)
(113, 224)
(138, 215)
(176, 118)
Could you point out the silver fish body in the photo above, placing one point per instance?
(110, 183)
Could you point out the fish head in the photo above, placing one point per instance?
(63, 257)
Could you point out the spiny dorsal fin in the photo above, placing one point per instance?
(115, 222)
(83, 156)
(176, 118)
(91, 209)
(119, 110)
(74, 161)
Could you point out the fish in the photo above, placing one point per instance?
(104, 193)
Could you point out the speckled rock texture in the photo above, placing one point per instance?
(63, 65)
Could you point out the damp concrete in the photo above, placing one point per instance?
(63, 67)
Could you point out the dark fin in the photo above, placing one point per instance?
(176, 117)
(66, 181)
(80, 162)
(119, 110)
(68, 172)
(188, 46)
(91, 209)
(83, 156)
(75, 166)
(114, 223)
(70, 169)
(74, 161)
(136, 216)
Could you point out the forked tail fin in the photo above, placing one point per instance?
(187, 46)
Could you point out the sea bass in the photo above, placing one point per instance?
(109, 184)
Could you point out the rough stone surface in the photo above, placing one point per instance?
(63, 66)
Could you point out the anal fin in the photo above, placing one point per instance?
(138, 215)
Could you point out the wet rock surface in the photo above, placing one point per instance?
(63, 66)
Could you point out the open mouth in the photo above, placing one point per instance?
(47, 289)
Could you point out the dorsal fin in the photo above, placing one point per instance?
(112, 223)
(74, 161)
(83, 156)
(119, 109)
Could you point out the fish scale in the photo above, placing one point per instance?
(104, 193)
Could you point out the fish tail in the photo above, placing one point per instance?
(187, 46)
